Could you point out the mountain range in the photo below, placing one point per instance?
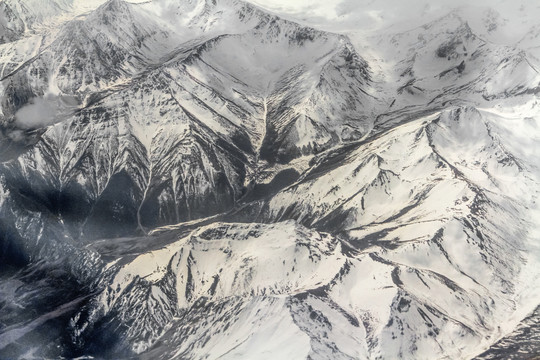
(189, 179)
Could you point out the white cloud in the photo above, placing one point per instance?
(44, 111)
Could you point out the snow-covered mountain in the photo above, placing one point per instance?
(203, 179)
(184, 124)
(446, 59)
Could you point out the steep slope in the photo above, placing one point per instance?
(220, 269)
(522, 341)
(18, 17)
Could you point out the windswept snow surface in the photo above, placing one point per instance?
(188, 179)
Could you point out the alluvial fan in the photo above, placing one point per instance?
(203, 179)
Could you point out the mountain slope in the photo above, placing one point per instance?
(427, 279)
(446, 59)
(137, 114)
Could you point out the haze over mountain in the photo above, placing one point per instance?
(188, 179)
